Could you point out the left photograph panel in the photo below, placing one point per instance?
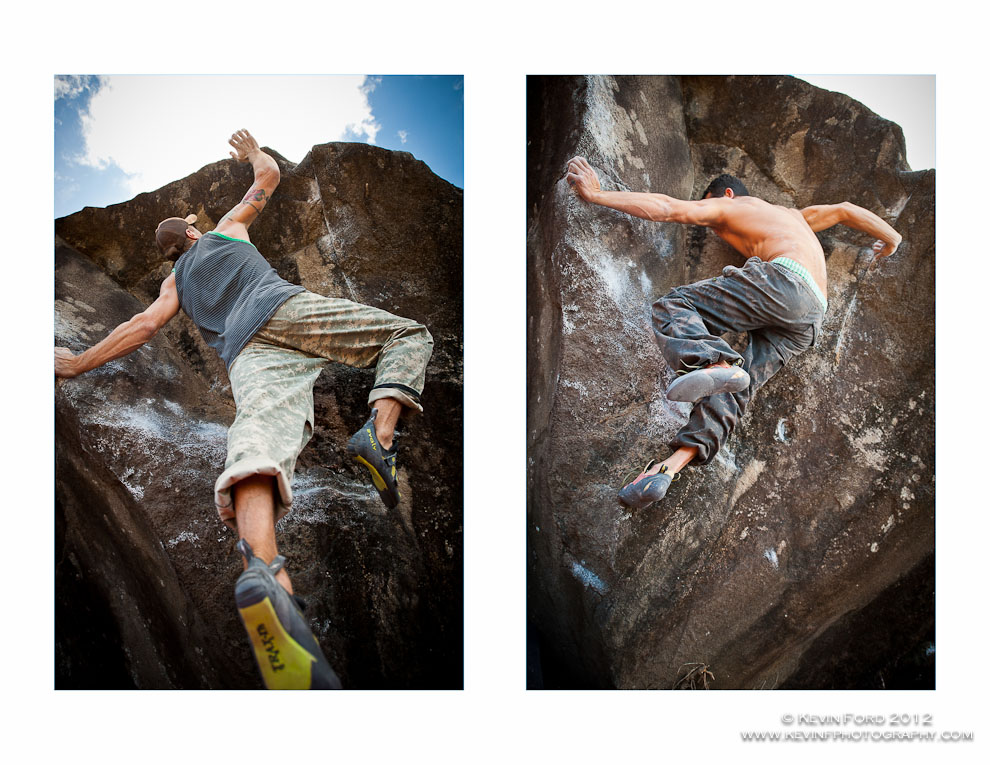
(258, 329)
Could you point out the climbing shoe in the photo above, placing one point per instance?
(647, 489)
(287, 653)
(365, 449)
(700, 383)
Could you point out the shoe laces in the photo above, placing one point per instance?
(632, 474)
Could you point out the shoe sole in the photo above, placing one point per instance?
(284, 664)
(376, 477)
(378, 481)
(700, 384)
(632, 503)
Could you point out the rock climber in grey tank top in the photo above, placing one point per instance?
(240, 305)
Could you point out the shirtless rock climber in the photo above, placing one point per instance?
(778, 298)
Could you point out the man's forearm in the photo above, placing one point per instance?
(263, 164)
(655, 207)
(127, 337)
(862, 219)
(266, 178)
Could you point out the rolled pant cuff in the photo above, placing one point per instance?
(706, 452)
(245, 468)
(403, 397)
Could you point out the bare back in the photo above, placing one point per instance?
(759, 229)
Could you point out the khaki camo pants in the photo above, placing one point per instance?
(272, 381)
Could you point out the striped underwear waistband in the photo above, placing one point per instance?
(797, 268)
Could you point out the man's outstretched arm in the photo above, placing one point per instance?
(655, 207)
(821, 217)
(127, 337)
(266, 177)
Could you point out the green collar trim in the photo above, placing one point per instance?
(229, 238)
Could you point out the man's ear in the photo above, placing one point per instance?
(730, 193)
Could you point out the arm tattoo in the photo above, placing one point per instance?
(259, 196)
(255, 195)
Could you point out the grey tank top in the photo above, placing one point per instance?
(229, 291)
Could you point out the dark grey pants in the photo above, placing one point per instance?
(775, 306)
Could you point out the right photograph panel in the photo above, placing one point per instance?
(730, 387)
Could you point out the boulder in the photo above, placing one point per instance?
(144, 568)
(811, 535)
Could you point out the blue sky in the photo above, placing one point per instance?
(114, 138)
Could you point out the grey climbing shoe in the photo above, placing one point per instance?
(366, 450)
(700, 383)
(647, 489)
(286, 651)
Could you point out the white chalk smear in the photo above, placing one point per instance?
(589, 578)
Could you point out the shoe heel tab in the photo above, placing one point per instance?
(245, 550)
(277, 563)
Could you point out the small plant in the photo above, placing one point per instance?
(696, 678)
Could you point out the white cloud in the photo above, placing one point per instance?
(69, 85)
(160, 128)
(403, 135)
(370, 83)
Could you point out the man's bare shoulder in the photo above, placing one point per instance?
(754, 206)
(745, 208)
(232, 228)
(758, 203)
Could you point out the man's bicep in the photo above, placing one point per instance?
(701, 212)
(252, 203)
(821, 217)
(166, 306)
(248, 209)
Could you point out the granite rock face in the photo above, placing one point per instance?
(145, 569)
(768, 563)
